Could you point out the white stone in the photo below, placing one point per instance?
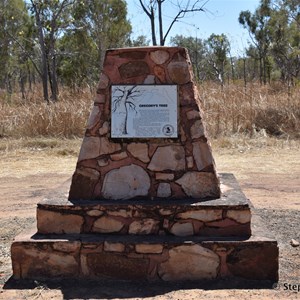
(139, 151)
(149, 248)
(241, 216)
(113, 247)
(182, 229)
(159, 56)
(164, 190)
(202, 155)
(107, 225)
(199, 184)
(197, 130)
(125, 183)
(165, 212)
(189, 262)
(207, 215)
(102, 162)
(89, 148)
(150, 79)
(168, 158)
(94, 117)
(145, 226)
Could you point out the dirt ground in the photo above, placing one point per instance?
(269, 174)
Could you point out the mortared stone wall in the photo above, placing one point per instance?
(153, 168)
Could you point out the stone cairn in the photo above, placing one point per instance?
(146, 208)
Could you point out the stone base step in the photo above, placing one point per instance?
(166, 258)
(228, 215)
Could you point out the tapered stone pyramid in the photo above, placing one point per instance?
(162, 151)
(145, 200)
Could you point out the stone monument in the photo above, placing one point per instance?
(145, 200)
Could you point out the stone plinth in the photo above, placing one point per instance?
(228, 215)
(166, 258)
(146, 168)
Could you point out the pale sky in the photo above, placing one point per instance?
(221, 17)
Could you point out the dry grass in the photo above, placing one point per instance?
(255, 111)
(262, 110)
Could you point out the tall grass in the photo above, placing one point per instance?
(231, 110)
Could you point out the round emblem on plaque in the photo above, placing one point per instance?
(168, 130)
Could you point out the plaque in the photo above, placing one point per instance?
(144, 111)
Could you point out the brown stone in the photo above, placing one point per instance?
(99, 99)
(47, 263)
(144, 226)
(108, 147)
(121, 213)
(159, 56)
(189, 262)
(103, 81)
(107, 225)
(135, 54)
(243, 262)
(190, 162)
(104, 129)
(179, 72)
(139, 151)
(94, 117)
(84, 181)
(164, 190)
(54, 222)
(193, 114)
(125, 183)
(202, 155)
(119, 156)
(160, 73)
(168, 158)
(149, 248)
(197, 130)
(164, 176)
(94, 213)
(133, 69)
(115, 266)
(66, 247)
(199, 185)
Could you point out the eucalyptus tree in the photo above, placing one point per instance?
(257, 26)
(218, 47)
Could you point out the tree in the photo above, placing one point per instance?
(154, 11)
(105, 22)
(218, 48)
(257, 26)
(123, 101)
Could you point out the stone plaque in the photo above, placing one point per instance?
(144, 111)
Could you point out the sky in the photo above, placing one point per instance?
(221, 16)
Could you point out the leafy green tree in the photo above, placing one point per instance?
(218, 47)
(257, 26)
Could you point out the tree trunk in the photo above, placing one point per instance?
(161, 35)
(43, 54)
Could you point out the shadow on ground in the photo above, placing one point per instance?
(103, 289)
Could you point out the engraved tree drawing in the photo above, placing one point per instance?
(122, 102)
